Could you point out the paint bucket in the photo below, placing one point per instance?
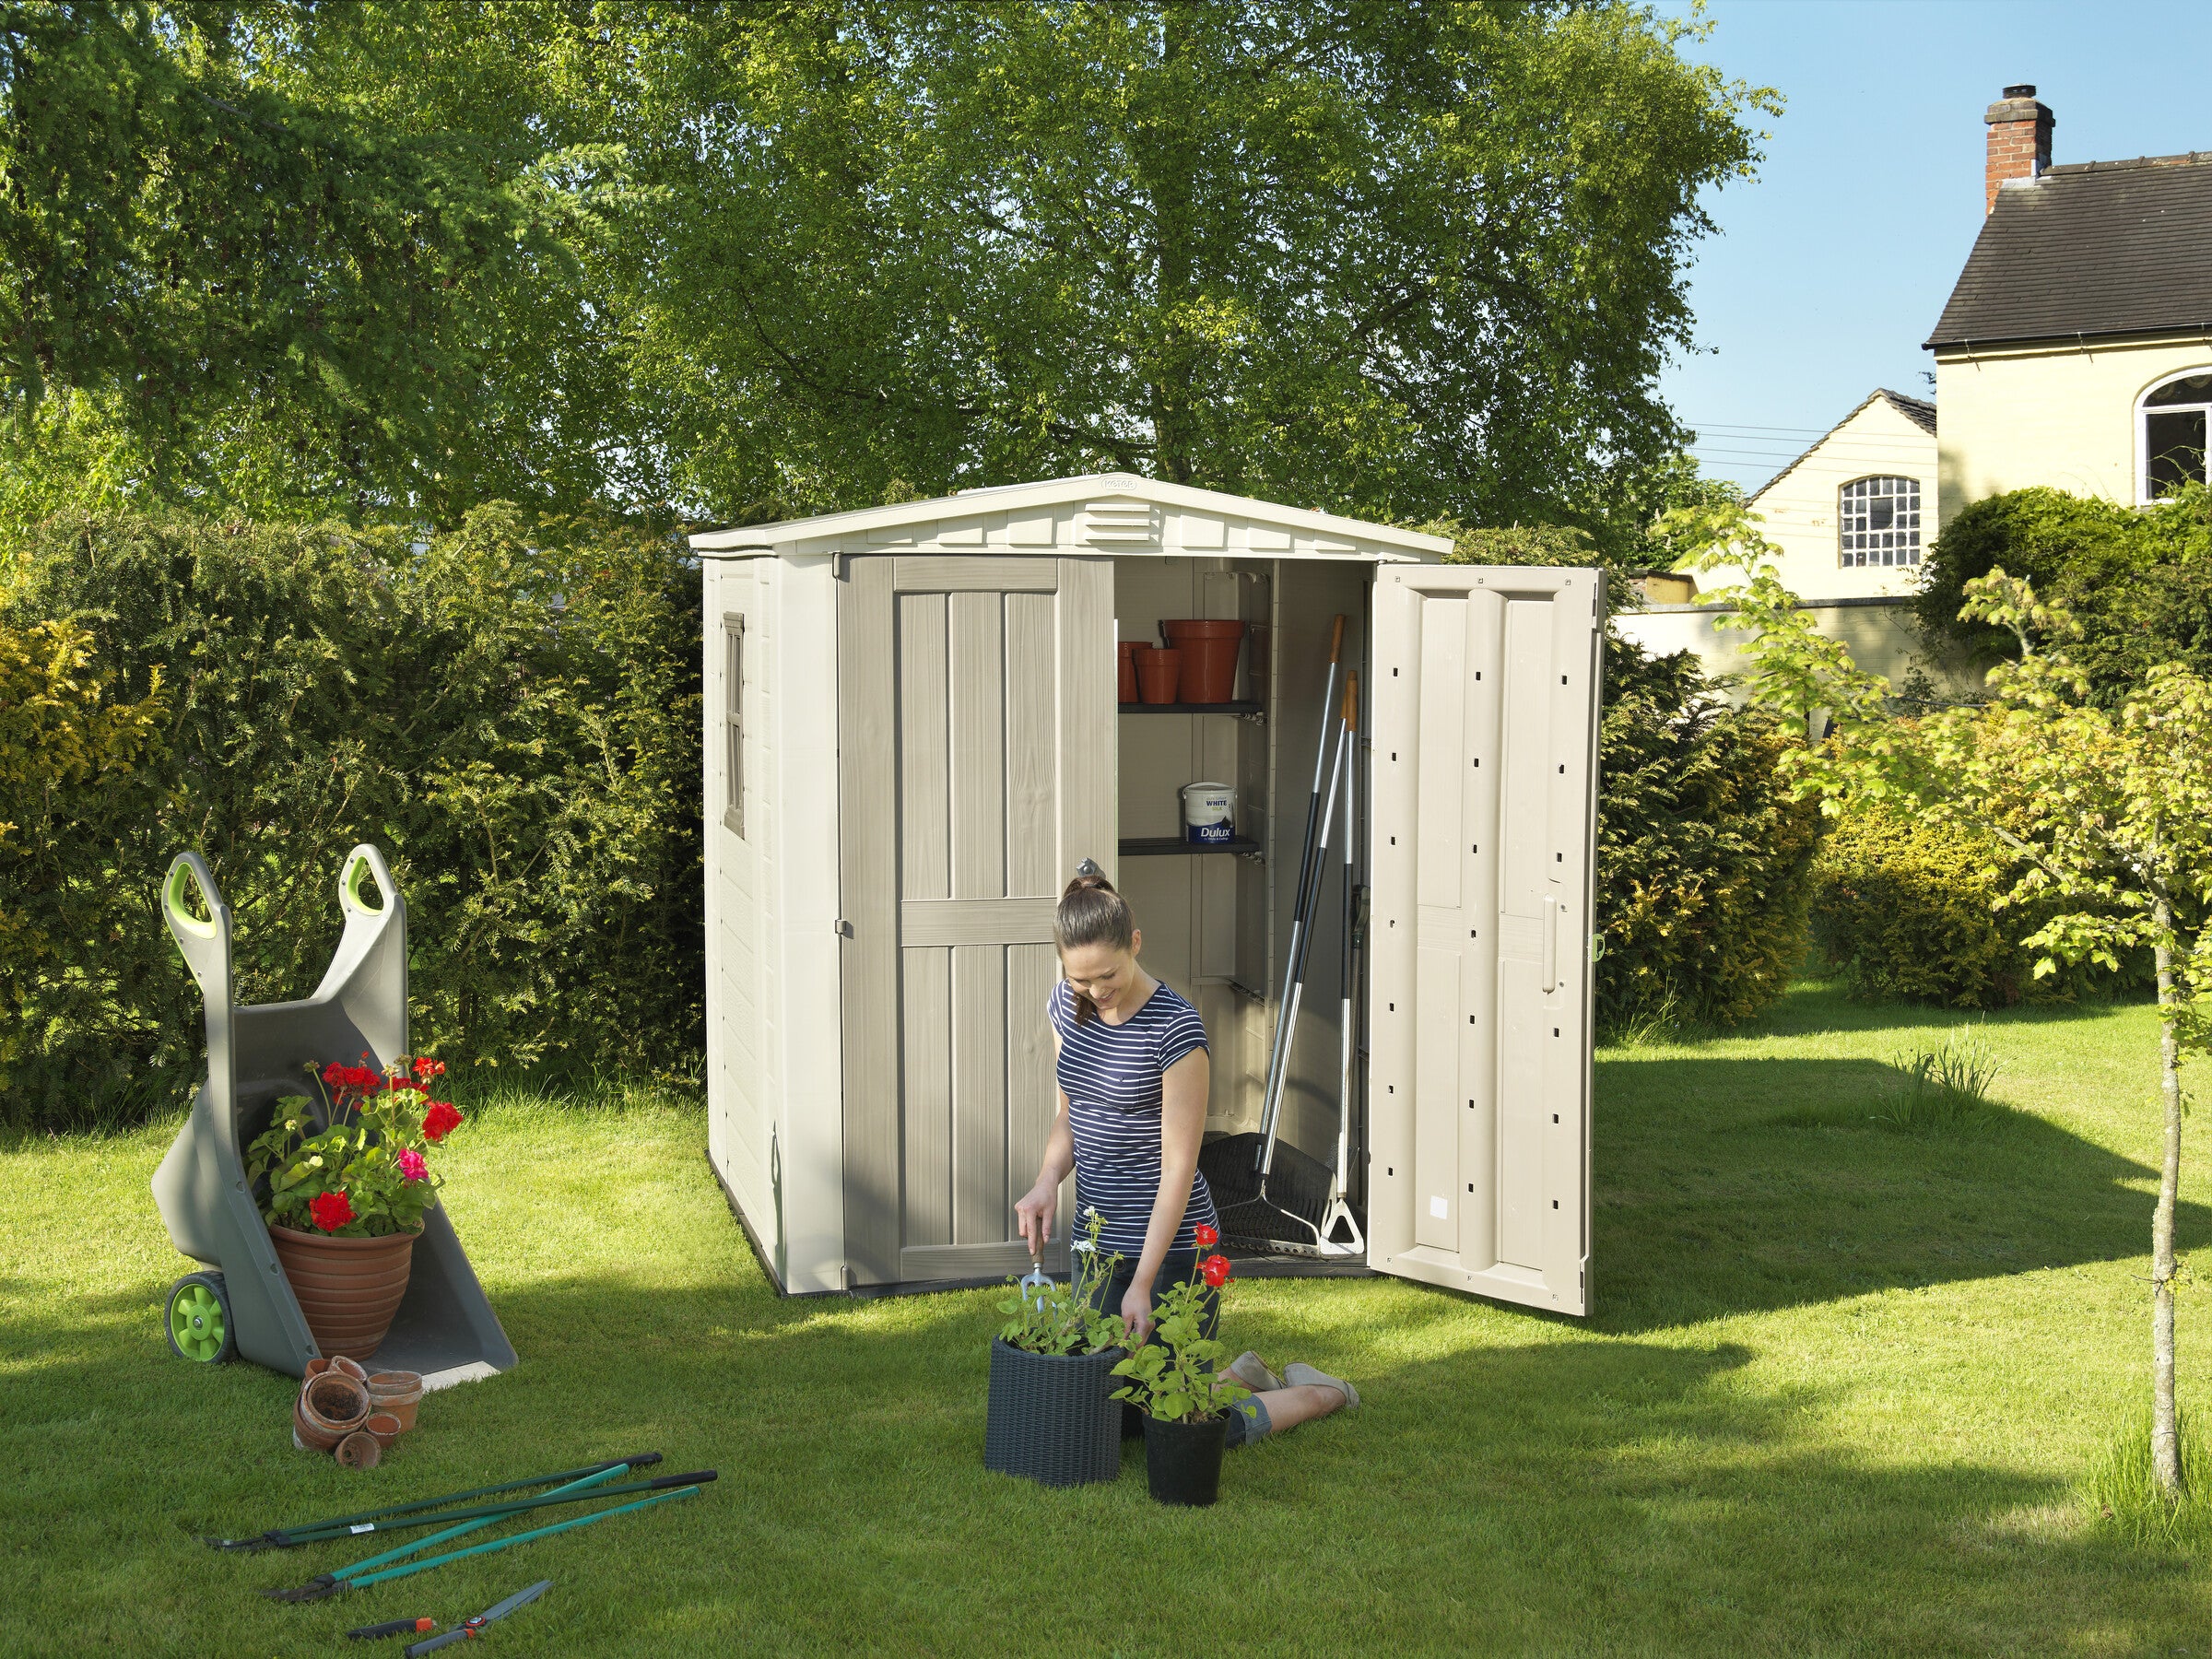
(1209, 813)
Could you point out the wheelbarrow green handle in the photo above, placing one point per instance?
(172, 897)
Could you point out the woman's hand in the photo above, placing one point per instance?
(1033, 1216)
(1137, 1312)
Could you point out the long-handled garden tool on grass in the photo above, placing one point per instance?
(474, 1627)
(373, 1571)
(494, 1512)
(308, 1532)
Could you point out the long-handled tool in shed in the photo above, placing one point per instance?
(1338, 1219)
(375, 1520)
(474, 1627)
(359, 1574)
(1286, 1219)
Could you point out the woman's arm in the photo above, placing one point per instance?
(1182, 1090)
(1033, 1213)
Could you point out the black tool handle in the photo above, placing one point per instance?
(397, 1626)
(697, 1478)
(644, 1460)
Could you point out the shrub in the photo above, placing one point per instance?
(509, 711)
(1703, 861)
(1902, 909)
(2138, 582)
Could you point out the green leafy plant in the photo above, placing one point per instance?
(1946, 1087)
(367, 1175)
(1066, 1319)
(1173, 1376)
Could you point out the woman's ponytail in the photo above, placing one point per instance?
(1091, 912)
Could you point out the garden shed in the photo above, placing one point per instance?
(913, 736)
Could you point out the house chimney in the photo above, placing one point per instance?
(2019, 141)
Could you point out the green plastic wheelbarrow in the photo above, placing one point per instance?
(240, 1303)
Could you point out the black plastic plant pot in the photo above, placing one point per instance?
(1052, 1417)
(1183, 1461)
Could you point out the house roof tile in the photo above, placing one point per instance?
(2090, 248)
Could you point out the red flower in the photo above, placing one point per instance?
(427, 1067)
(334, 1074)
(440, 1121)
(1208, 1237)
(1215, 1269)
(330, 1211)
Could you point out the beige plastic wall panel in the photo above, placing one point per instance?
(975, 805)
(1030, 530)
(803, 1082)
(1087, 696)
(1199, 532)
(926, 1084)
(869, 680)
(1485, 723)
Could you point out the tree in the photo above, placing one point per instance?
(263, 295)
(1391, 260)
(2107, 810)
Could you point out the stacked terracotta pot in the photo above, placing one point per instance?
(353, 1414)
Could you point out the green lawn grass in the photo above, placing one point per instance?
(1842, 1394)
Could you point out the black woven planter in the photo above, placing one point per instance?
(1052, 1417)
(1183, 1461)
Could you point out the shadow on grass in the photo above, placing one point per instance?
(1560, 1494)
(1728, 1184)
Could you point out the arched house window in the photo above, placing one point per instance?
(1878, 521)
(2170, 433)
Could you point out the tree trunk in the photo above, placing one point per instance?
(2165, 1439)
(1166, 154)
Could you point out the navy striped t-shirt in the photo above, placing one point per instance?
(1112, 1077)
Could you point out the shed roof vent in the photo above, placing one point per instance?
(1121, 525)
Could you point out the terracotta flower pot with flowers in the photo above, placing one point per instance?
(345, 1205)
(1173, 1381)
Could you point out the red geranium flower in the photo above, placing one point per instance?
(334, 1074)
(427, 1067)
(330, 1211)
(440, 1121)
(1215, 1269)
(1208, 1237)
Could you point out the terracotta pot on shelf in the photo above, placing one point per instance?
(1209, 657)
(1159, 674)
(347, 1288)
(1125, 666)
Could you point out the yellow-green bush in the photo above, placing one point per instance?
(1903, 908)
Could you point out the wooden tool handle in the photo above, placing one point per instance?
(1352, 700)
(1336, 643)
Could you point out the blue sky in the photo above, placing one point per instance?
(1832, 265)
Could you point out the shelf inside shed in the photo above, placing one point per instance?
(1154, 846)
(1240, 707)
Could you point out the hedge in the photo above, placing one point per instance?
(511, 710)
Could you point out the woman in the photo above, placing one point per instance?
(1133, 1068)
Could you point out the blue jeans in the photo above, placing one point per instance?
(1248, 1419)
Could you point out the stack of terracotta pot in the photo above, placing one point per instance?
(351, 1413)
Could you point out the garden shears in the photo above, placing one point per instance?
(474, 1627)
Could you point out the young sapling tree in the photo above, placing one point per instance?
(2106, 811)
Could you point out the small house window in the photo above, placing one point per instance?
(733, 722)
(1880, 519)
(2171, 433)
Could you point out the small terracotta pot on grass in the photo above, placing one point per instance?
(398, 1393)
(383, 1427)
(359, 1450)
(1159, 674)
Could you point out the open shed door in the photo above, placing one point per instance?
(976, 768)
(1485, 786)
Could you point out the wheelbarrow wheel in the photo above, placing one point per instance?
(199, 1319)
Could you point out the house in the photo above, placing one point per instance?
(1853, 516)
(2074, 352)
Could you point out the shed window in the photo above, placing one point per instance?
(1880, 521)
(733, 722)
(2170, 438)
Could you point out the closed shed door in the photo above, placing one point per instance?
(976, 748)
(1483, 837)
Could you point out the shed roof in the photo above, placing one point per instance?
(2094, 248)
(1108, 512)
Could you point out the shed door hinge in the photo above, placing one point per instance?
(841, 928)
